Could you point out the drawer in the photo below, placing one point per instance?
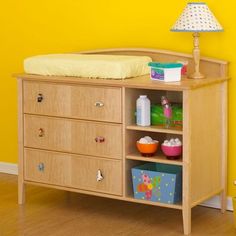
(85, 172)
(67, 135)
(46, 167)
(83, 102)
(74, 171)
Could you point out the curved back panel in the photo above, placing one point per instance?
(208, 66)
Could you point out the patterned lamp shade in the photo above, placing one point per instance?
(197, 17)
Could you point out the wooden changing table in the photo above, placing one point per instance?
(72, 128)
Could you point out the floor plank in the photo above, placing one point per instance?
(50, 212)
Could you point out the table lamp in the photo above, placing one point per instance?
(196, 18)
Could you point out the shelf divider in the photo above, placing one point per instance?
(174, 206)
(158, 158)
(156, 128)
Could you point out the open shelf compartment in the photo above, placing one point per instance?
(133, 133)
(129, 188)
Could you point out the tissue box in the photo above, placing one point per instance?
(167, 72)
(157, 182)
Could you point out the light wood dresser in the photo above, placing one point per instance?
(79, 134)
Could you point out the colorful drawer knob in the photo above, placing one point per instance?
(41, 167)
(100, 139)
(98, 104)
(41, 132)
(40, 97)
(99, 176)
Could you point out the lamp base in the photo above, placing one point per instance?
(196, 58)
(196, 75)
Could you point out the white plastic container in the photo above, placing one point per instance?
(166, 72)
(143, 107)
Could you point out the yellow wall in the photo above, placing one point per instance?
(37, 27)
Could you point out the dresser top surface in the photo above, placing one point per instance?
(137, 82)
(214, 69)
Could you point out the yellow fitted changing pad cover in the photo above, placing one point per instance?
(88, 65)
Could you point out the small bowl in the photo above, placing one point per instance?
(172, 152)
(147, 149)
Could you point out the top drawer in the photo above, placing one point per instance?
(82, 102)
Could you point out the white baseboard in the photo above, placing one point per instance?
(214, 202)
(8, 168)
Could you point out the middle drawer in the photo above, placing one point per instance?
(74, 136)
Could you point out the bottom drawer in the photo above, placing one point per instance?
(88, 173)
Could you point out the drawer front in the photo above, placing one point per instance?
(97, 174)
(82, 137)
(46, 167)
(83, 102)
(87, 173)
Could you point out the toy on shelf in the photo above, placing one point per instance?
(147, 146)
(172, 148)
(167, 110)
(158, 118)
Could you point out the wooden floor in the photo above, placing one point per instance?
(52, 212)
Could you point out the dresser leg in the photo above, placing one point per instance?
(21, 192)
(224, 130)
(223, 200)
(187, 220)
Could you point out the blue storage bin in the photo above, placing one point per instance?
(157, 182)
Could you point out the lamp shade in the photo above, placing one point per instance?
(197, 17)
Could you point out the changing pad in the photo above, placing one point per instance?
(88, 65)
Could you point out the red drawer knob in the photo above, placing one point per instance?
(100, 139)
